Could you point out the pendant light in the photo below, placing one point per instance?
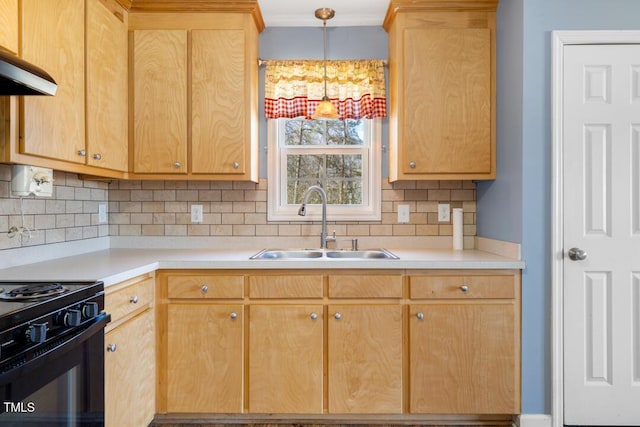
(325, 110)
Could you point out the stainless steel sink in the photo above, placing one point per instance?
(288, 254)
(320, 253)
(364, 254)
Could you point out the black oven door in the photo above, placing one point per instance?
(63, 387)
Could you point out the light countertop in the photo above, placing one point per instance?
(115, 265)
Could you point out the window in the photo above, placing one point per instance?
(341, 156)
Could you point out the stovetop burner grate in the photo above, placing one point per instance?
(33, 291)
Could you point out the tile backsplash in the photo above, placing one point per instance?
(70, 215)
(162, 208)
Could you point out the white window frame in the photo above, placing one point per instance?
(370, 210)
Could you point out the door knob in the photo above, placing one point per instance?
(577, 254)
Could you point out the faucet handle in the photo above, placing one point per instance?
(333, 237)
(354, 244)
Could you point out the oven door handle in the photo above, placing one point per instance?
(50, 350)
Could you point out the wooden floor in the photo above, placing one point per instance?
(198, 424)
(163, 424)
(247, 420)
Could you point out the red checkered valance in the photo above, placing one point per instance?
(295, 88)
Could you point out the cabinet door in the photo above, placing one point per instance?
(462, 359)
(365, 359)
(107, 85)
(130, 373)
(160, 101)
(219, 101)
(9, 25)
(205, 358)
(53, 39)
(447, 101)
(286, 359)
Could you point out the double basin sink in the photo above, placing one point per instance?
(288, 254)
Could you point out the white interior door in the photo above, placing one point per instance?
(601, 186)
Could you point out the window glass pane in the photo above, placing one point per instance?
(296, 190)
(344, 166)
(345, 132)
(342, 192)
(304, 165)
(300, 132)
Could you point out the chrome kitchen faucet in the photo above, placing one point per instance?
(303, 211)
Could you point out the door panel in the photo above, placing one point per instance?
(601, 109)
(285, 359)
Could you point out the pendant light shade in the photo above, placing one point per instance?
(325, 110)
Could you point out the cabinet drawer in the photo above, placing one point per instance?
(204, 286)
(293, 286)
(365, 286)
(126, 300)
(433, 287)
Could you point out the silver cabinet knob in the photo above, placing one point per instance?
(577, 254)
(233, 315)
(82, 153)
(112, 347)
(337, 316)
(314, 316)
(97, 156)
(464, 289)
(236, 165)
(134, 299)
(420, 316)
(204, 289)
(412, 165)
(177, 165)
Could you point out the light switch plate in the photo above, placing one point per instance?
(196, 213)
(444, 213)
(403, 213)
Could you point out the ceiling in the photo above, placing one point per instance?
(300, 13)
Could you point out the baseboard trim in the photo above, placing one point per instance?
(534, 420)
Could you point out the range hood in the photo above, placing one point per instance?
(18, 77)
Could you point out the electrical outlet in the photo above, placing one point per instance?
(102, 213)
(444, 213)
(196, 213)
(403, 213)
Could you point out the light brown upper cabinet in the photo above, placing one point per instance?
(9, 25)
(195, 90)
(442, 89)
(107, 85)
(53, 38)
(160, 101)
(83, 127)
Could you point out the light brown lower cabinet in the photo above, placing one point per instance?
(286, 359)
(410, 342)
(365, 359)
(130, 377)
(205, 357)
(464, 344)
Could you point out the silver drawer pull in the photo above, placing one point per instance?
(464, 289)
(112, 347)
(134, 299)
(233, 315)
(420, 316)
(337, 316)
(204, 289)
(314, 316)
